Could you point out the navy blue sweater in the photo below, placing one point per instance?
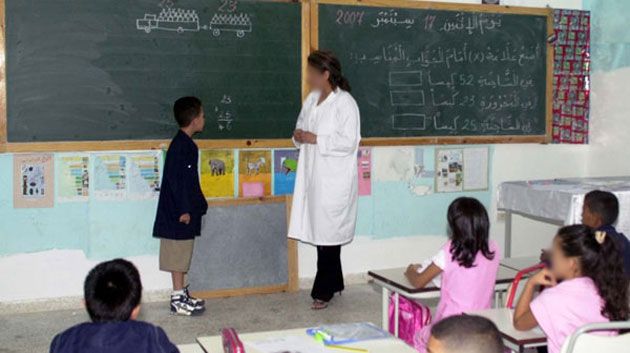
(113, 337)
(180, 192)
(622, 243)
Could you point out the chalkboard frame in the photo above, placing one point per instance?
(310, 26)
(113, 145)
(448, 140)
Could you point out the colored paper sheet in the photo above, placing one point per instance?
(254, 173)
(365, 171)
(33, 185)
(143, 175)
(110, 176)
(285, 164)
(217, 173)
(73, 178)
(476, 168)
(449, 170)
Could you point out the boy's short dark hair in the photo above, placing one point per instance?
(604, 204)
(468, 334)
(186, 109)
(112, 290)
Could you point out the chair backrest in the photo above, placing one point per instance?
(583, 341)
(515, 289)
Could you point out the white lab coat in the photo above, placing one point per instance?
(324, 210)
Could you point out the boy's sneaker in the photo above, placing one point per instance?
(180, 305)
(194, 301)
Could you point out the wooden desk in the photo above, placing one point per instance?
(394, 281)
(190, 348)
(390, 345)
(520, 263)
(515, 340)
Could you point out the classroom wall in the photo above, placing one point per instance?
(59, 273)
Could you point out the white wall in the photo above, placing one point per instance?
(55, 274)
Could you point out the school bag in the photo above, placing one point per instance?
(412, 318)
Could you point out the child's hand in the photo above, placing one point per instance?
(543, 278)
(413, 269)
(185, 218)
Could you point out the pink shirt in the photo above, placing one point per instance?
(466, 289)
(562, 309)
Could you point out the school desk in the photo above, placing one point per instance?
(513, 339)
(212, 344)
(394, 281)
(558, 201)
(190, 348)
(520, 263)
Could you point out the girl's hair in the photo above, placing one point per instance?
(469, 227)
(602, 263)
(323, 61)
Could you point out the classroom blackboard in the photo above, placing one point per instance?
(426, 72)
(241, 246)
(82, 70)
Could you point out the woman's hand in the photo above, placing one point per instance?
(543, 278)
(309, 137)
(297, 135)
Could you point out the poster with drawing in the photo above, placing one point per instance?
(285, 164)
(217, 173)
(364, 161)
(449, 170)
(33, 181)
(73, 178)
(143, 175)
(254, 173)
(110, 176)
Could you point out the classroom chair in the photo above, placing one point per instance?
(190, 348)
(516, 287)
(583, 341)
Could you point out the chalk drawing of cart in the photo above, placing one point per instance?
(178, 20)
(239, 23)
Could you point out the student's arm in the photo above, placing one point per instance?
(179, 182)
(420, 280)
(345, 138)
(524, 318)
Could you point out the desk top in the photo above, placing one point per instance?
(520, 263)
(395, 277)
(390, 345)
(503, 318)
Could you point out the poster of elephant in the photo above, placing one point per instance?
(217, 173)
(254, 173)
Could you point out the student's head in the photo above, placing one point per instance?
(324, 72)
(578, 251)
(465, 334)
(112, 291)
(189, 114)
(601, 208)
(469, 228)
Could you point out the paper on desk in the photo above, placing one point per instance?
(290, 344)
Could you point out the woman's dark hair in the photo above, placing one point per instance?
(600, 262)
(112, 290)
(469, 227)
(323, 61)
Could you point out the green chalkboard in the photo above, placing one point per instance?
(85, 70)
(430, 72)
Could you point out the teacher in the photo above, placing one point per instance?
(324, 210)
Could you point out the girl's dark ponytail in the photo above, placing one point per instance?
(601, 261)
(324, 61)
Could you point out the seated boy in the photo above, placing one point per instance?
(465, 334)
(112, 293)
(600, 212)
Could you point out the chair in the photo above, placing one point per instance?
(582, 341)
(516, 287)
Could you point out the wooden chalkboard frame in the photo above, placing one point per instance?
(310, 26)
(448, 140)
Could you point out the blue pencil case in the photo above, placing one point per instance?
(339, 334)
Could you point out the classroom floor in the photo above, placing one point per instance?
(32, 333)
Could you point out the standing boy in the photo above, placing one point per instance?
(600, 212)
(181, 205)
